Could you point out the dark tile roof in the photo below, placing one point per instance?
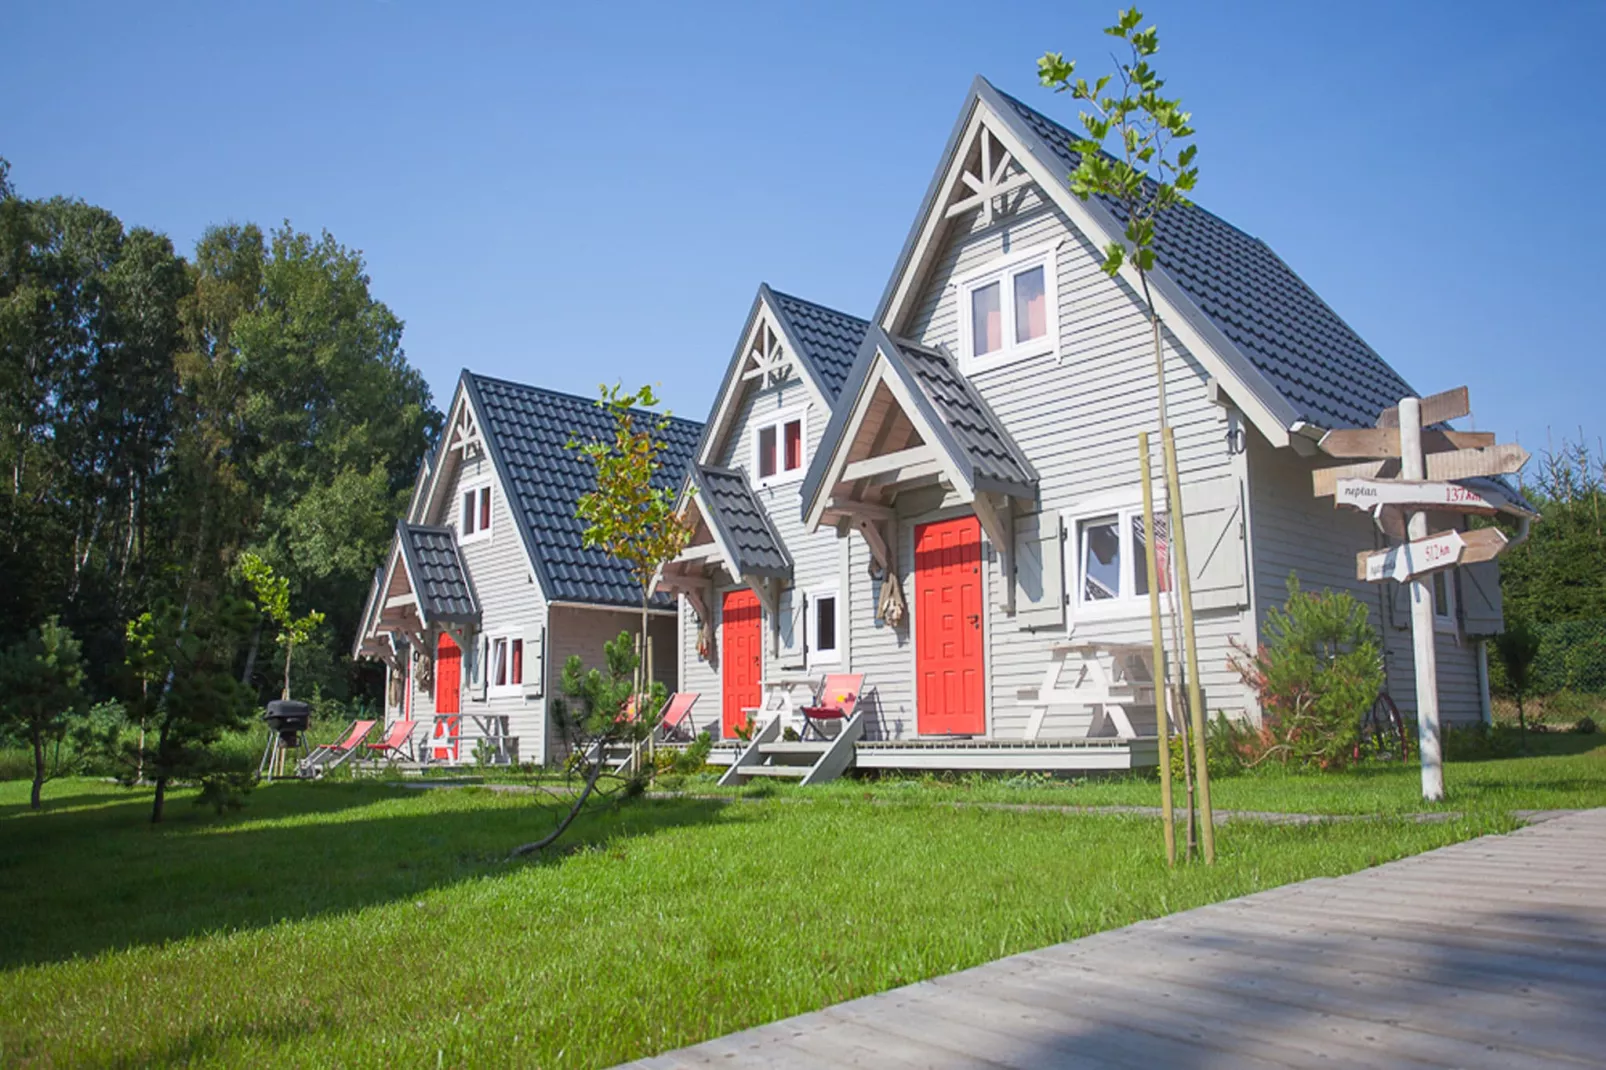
(728, 503)
(1321, 367)
(527, 430)
(992, 453)
(440, 582)
(829, 339)
(950, 411)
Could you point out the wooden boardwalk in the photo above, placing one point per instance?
(1489, 953)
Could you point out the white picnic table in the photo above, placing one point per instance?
(1107, 678)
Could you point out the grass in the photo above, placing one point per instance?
(364, 924)
(1563, 771)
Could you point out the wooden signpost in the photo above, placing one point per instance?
(1411, 471)
(1444, 550)
(1451, 464)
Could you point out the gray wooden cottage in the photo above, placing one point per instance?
(945, 497)
(488, 589)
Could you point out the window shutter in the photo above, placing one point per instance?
(1482, 611)
(793, 643)
(1213, 518)
(1399, 604)
(534, 660)
(478, 655)
(1039, 571)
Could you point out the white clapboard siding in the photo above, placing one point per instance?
(1076, 415)
(1295, 532)
(575, 631)
(816, 558)
(511, 603)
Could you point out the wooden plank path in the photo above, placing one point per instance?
(1489, 953)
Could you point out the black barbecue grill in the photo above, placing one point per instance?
(287, 722)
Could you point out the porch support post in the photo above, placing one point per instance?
(995, 520)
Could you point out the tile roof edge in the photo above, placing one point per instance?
(764, 513)
(1027, 468)
(493, 449)
(1253, 380)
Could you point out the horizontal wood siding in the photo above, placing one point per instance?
(697, 674)
(1297, 533)
(574, 631)
(815, 556)
(1076, 414)
(510, 601)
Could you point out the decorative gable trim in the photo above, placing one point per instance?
(1261, 402)
(767, 354)
(986, 181)
(466, 433)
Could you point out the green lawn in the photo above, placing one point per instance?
(367, 924)
(1565, 771)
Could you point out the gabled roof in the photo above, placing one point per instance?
(829, 340)
(436, 574)
(741, 524)
(527, 431)
(823, 340)
(947, 412)
(1324, 369)
(1287, 350)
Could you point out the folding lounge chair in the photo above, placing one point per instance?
(839, 697)
(397, 744)
(675, 722)
(332, 755)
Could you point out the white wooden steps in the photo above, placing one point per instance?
(811, 762)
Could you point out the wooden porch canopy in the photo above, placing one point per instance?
(732, 541)
(908, 419)
(423, 585)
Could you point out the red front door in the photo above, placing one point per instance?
(448, 692)
(949, 695)
(741, 637)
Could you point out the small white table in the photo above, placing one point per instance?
(1104, 677)
(781, 700)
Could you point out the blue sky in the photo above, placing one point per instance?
(567, 194)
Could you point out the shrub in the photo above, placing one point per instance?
(1316, 676)
(694, 757)
(1585, 726)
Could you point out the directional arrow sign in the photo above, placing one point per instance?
(1450, 405)
(1401, 563)
(1371, 494)
(1456, 464)
(1350, 442)
(1418, 558)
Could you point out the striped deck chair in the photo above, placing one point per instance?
(675, 722)
(332, 755)
(397, 744)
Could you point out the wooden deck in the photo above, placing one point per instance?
(1109, 754)
(1490, 953)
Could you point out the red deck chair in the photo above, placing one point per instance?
(839, 696)
(675, 721)
(331, 755)
(397, 744)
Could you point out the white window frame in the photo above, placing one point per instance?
(1003, 271)
(1129, 604)
(478, 488)
(778, 421)
(513, 688)
(817, 656)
